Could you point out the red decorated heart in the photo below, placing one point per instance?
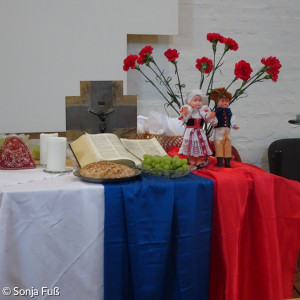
(15, 155)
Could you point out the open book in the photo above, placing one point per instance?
(89, 148)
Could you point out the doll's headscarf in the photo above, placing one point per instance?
(191, 94)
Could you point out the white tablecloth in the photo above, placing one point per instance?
(51, 236)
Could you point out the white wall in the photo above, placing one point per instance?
(262, 28)
(48, 46)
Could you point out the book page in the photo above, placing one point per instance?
(141, 147)
(109, 147)
(83, 151)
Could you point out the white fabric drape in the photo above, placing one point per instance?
(51, 234)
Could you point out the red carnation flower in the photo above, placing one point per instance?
(147, 50)
(215, 37)
(129, 62)
(204, 65)
(231, 44)
(171, 54)
(140, 60)
(242, 70)
(273, 66)
(145, 55)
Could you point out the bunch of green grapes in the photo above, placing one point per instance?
(156, 162)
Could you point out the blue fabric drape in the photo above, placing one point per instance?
(157, 238)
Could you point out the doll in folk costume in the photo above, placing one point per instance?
(194, 114)
(226, 121)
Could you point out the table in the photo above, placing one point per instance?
(52, 235)
(50, 229)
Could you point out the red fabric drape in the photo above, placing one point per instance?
(256, 233)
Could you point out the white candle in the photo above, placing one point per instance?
(43, 146)
(56, 156)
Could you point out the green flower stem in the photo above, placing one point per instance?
(254, 79)
(210, 84)
(234, 80)
(214, 60)
(162, 80)
(209, 131)
(245, 85)
(256, 75)
(165, 82)
(179, 84)
(212, 72)
(149, 80)
(226, 89)
(202, 80)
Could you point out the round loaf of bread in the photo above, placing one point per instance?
(106, 169)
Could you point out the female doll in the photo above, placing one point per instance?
(195, 145)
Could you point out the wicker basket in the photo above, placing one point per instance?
(167, 141)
